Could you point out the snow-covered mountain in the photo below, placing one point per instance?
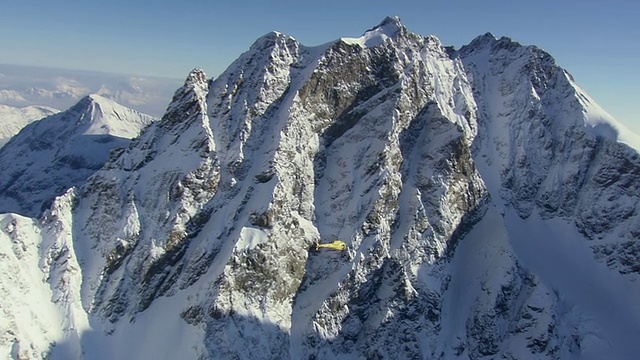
(12, 119)
(60, 88)
(51, 155)
(489, 207)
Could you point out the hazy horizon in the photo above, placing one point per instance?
(595, 42)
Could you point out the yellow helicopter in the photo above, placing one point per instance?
(337, 245)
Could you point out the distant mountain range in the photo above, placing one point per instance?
(60, 88)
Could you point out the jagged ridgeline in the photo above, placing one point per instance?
(488, 206)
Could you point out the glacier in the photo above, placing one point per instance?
(489, 207)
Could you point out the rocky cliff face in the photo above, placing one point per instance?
(478, 205)
(539, 133)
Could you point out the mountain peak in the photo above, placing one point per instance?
(489, 42)
(196, 76)
(389, 28)
(84, 102)
(390, 22)
(269, 40)
(97, 98)
(482, 40)
(90, 102)
(194, 91)
(196, 82)
(96, 114)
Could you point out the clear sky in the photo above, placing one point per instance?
(598, 42)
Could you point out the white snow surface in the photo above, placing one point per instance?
(250, 237)
(30, 321)
(13, 119)
(608, 305)
(378, 35)
(603, 124)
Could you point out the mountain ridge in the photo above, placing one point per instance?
(441, 171)
(13, 119)
(50, 155)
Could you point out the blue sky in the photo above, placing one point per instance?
(598, 42)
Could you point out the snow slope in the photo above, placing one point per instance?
(607, 304)
(60, 151)
(28, 325)
(13, 119)
(604, 124)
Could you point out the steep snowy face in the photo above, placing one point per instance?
(41, 279)
(60, 151)
(216, 206)
(387, 29)
(13, 119)
(340, 131)
(29, 324)
(139, 209)
(548, 147)
(549, 154)
(201, 157)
